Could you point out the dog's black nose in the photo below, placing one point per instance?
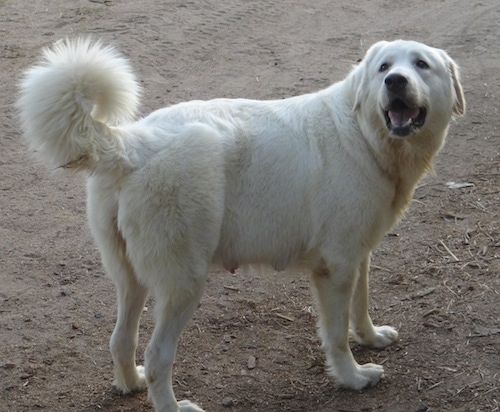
(395, 82)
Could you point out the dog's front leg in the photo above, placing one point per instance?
(333, 286)
(362, 327)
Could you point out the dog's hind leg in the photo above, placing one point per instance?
(333, 286)
(131, 298)
(174, 306)
(362, 328)
(131, 295)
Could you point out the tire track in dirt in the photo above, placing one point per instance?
(182, 40)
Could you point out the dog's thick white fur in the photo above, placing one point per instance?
(315, 180)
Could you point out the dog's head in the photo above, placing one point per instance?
(405, 87)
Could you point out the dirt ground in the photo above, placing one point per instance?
(252, 345)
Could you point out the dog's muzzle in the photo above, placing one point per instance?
(402, 116)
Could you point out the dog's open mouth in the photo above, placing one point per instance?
(402, 120)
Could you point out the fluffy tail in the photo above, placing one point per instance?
(71, 100)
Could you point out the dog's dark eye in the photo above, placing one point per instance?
(421, 64)
(383, 67)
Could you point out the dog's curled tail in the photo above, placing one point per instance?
(71, 100)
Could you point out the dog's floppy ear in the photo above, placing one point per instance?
(361, 84)
(361, 74)
(458, 95)
(359, 80)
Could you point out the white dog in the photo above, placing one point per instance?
(315, 180)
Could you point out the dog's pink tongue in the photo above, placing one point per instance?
(402, 117)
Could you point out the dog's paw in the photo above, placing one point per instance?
(141, 379)
(187, 406)
(384, 336)
(363, 376)
(135, 382)
(379, 337)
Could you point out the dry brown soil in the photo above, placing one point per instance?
(435, 277)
